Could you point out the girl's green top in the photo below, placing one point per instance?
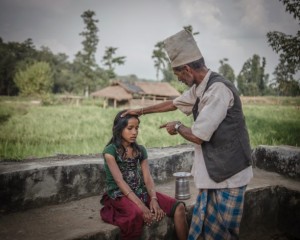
(131, 171)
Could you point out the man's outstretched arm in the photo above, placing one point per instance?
(157, 108)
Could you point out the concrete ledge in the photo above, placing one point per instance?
(52, 180)
(281, 159)
(269, 212)
(272, 203)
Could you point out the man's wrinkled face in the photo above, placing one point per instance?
(185, 76)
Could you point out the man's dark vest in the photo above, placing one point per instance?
(228, 151)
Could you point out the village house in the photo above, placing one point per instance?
(127, 94)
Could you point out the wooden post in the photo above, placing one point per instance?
(143, 100)
(105, 103)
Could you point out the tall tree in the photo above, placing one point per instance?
(87, 55)
(226, 70)
(252, 80)
(111, 62)
(288, 47)
(160, 58)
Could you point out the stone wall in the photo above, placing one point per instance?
(281, 159)
(32, 184)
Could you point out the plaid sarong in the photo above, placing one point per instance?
(217, 214)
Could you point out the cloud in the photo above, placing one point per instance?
(202, 13)
(234, 29)
(254, 21)
(54, 44)
(58, 6)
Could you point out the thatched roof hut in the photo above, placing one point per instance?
(113, 94)
(121, 93)
(158, 89)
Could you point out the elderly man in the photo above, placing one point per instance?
(222, 164)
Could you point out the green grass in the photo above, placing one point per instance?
(273, 125)
(37, 131)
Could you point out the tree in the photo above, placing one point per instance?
(282, 85)
(12, 54)
(226, 70)
(110, 61)
(288, 47)
(35, 79)
(86, 57)
(160, 58)
(190, 29)
(252, 79)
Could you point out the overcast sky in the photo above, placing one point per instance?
(235, 29)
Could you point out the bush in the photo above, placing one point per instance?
(35, 79)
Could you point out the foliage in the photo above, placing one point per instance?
(160, 58)
(110, 61)
(38, 131)
(12, 54)
(190, 29)
(15, 56)
(226, 70)
(86, 58)
(288, 48)
(252, 80)
(81, 75)
(35, 79)
(179, 86)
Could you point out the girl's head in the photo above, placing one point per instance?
(125, 129)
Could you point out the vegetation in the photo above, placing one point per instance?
(84, 74)
(86, 57)
(35, 79)
(160, 58)
(28, 131)
(226, 70)
(288, 47)
(110, 61)
(252, 80)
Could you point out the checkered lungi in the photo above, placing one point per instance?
(217, 214)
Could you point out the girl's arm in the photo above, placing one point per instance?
(148, 179)
(118, 177)
(124, 187)
(154, 206)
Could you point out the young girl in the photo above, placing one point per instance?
(131, 199)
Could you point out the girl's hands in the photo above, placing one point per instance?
(154, 213)
(147, 215)
(155, 209)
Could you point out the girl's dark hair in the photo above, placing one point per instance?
(119, 124)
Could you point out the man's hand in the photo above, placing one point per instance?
(135, 112)
(170, 126)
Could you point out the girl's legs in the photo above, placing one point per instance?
(181, 226)
(125, 214)
(175, 209)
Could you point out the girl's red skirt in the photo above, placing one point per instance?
(125, 214)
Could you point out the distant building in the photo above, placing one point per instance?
(137, 93)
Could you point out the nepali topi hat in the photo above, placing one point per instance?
(182, 48)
